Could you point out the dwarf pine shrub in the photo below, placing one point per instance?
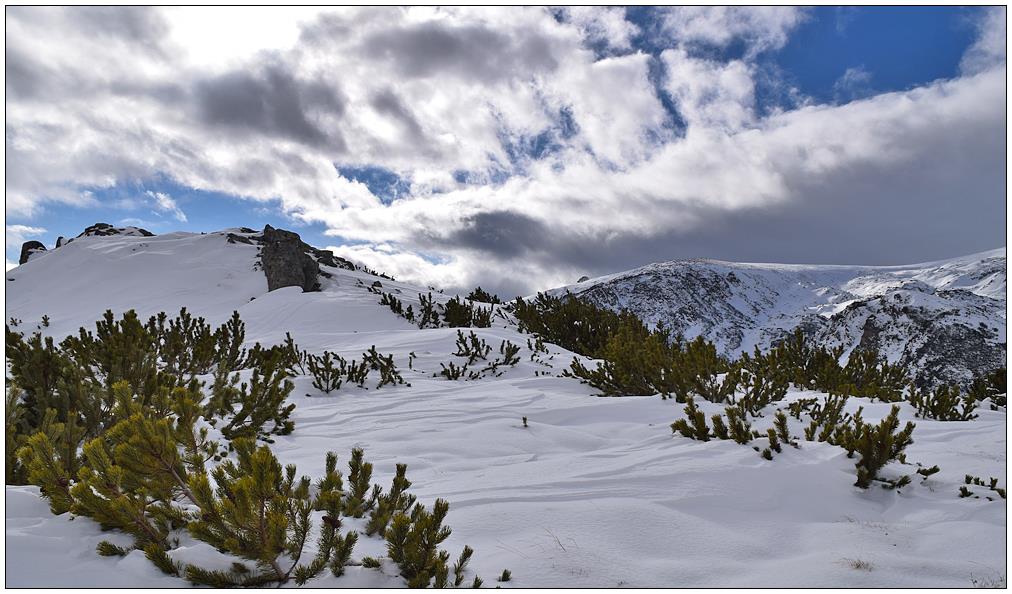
(635, 361)
(693, 425)
(186, 345)
(47, 467)
(827, 417)
(483, 296)
(783, 432)
(738, 427)
(413, 541)
(459, 313)
(14, 471)
(991, 386)
(452, 372)
(762, 380)
(261, 401)
(879, 444)
(567, 321)
(428, 315)
(945, 403)
(359, 480)
(508, 353)
(872, 377)
(698, 369)
(36, 365)
(229, 338)
(118, 350)
(262, 513)
(472, 347)
(328, 371)
(771, 435)
(396, 500)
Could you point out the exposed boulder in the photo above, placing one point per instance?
(235, 238)
(285, 261)
(28, 248)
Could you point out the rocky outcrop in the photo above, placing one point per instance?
(28, 248)
(105, 229)
(285, 261)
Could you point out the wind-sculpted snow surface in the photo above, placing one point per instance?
(946, 320)
(594, 492)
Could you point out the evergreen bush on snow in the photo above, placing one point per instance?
(878, 445)
(259, 402)
(693, 425)
(328, 371)
(762, 380)
(945, 403)
(991, 386)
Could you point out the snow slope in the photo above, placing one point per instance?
(595, 492)
(944, 319)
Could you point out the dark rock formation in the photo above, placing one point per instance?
(105, 229)
(233, 238)
(28, 248)
(285, 261)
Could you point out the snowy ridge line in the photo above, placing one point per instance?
(946, 319)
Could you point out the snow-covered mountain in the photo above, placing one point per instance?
(944, 319)
(585, 491)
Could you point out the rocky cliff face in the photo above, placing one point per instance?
(286, 260)
(945, 320)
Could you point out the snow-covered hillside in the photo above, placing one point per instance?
(595, 492)
(944, 319)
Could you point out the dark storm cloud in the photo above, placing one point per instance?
(501, 234)
(271, 101)
(388, 103)
(143, 28)
(470, 51)
(24, 77)
(141, 25)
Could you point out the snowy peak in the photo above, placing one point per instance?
(211, 274)
(945, 319)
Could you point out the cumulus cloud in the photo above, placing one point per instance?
(602, 25)
(761, 28)
(988, 51)
(529, 146)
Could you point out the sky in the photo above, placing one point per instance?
(517, 148)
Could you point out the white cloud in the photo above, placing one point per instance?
(165, 203)
(710, 93)
(762, 28)
(603, 25)
(431, 93)
(988, 51)
(17, 234)
(853, 83)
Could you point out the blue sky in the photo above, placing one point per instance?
(314, 154)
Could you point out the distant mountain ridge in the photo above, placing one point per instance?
(944, 319)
